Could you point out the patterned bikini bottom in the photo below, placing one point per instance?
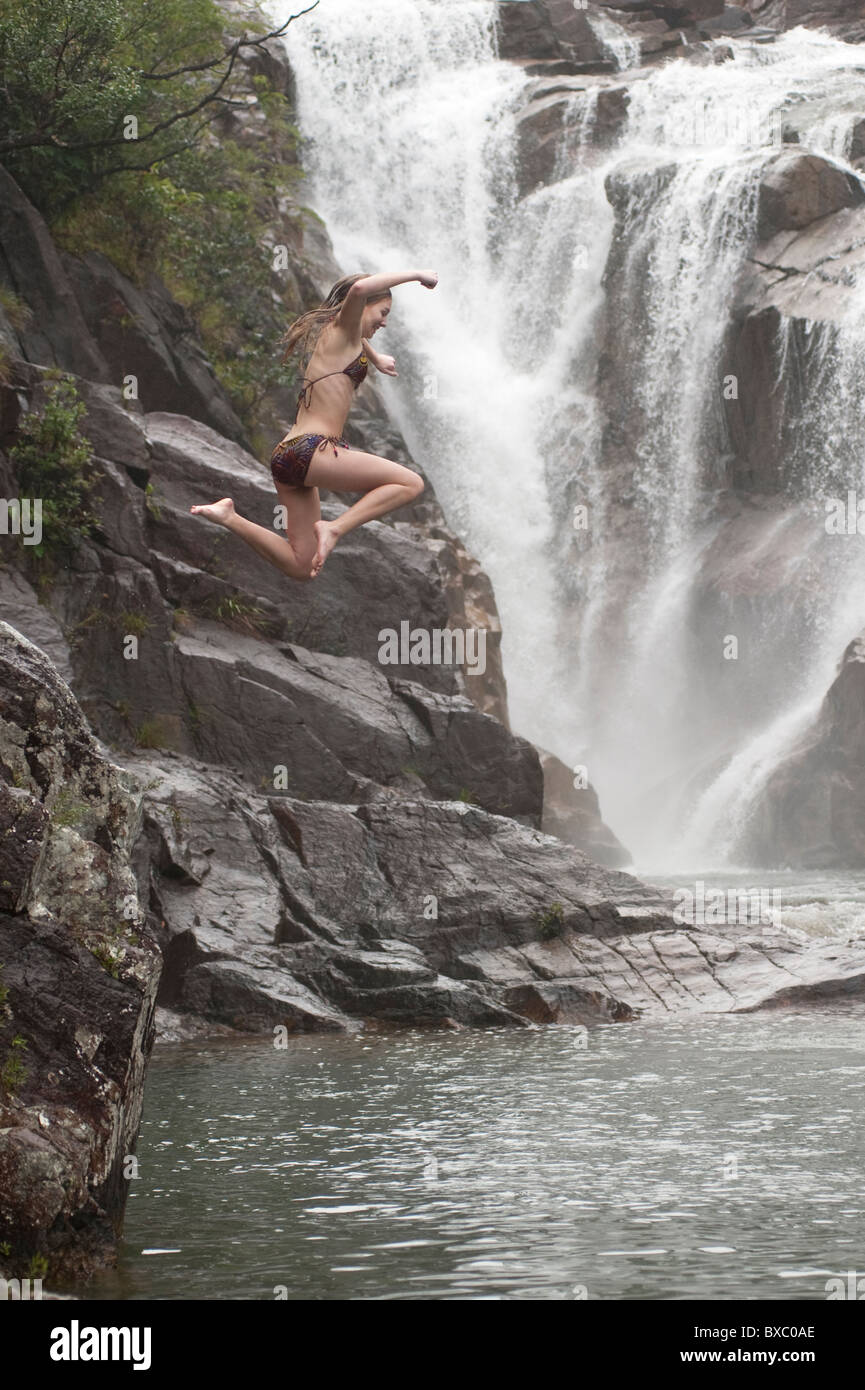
(290, 460)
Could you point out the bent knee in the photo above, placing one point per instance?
(302, 567)
(416, 485)
(298, 566)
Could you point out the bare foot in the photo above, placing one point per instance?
(327, 539)
(216, 511)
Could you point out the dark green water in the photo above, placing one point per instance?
(715, 1158)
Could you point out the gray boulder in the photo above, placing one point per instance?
(21, 609)
(797, 189)
(548, 29)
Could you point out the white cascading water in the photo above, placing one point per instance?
(615, 40)
(410, 120)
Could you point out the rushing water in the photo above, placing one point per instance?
(410, 122)
(715, 1158)
(827, 906)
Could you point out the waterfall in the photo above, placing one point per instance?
(409, 118)
(615, 39)
(411, 128)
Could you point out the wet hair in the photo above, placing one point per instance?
(302, 335)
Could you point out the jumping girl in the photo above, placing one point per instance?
(338, 333)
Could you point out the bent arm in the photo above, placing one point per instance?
(351, 311)
(386, 280)
(370, 352)
(381, 362)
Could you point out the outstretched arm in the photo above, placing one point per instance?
(379, 360)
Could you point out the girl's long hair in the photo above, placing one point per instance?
(303, 334)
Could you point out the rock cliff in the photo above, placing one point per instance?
(79, 972)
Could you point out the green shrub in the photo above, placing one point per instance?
(151, 503)
(174, 200)
(68, 810)
(13, 1071)
(239, 614)
(551, 923)
(151, 734)
(17, 312)
(76, 70)
(138, 624)
(108, 947)
(53, 461)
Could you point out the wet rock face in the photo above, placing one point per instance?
(544, 133)
(78, 975)
(572, 813)
(558, 37)
(812, 811)
(547, 29)
(312, 916)
(150, 336)
(308, 915)
(812, 234)
(769, 549)
(20, 608)
(30, 265)
(791, 290)
(88, 318)
(840, 17)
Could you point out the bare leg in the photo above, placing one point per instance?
(277, 550)
(389, 486)
(374, 504)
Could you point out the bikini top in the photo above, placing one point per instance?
(355, 371)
